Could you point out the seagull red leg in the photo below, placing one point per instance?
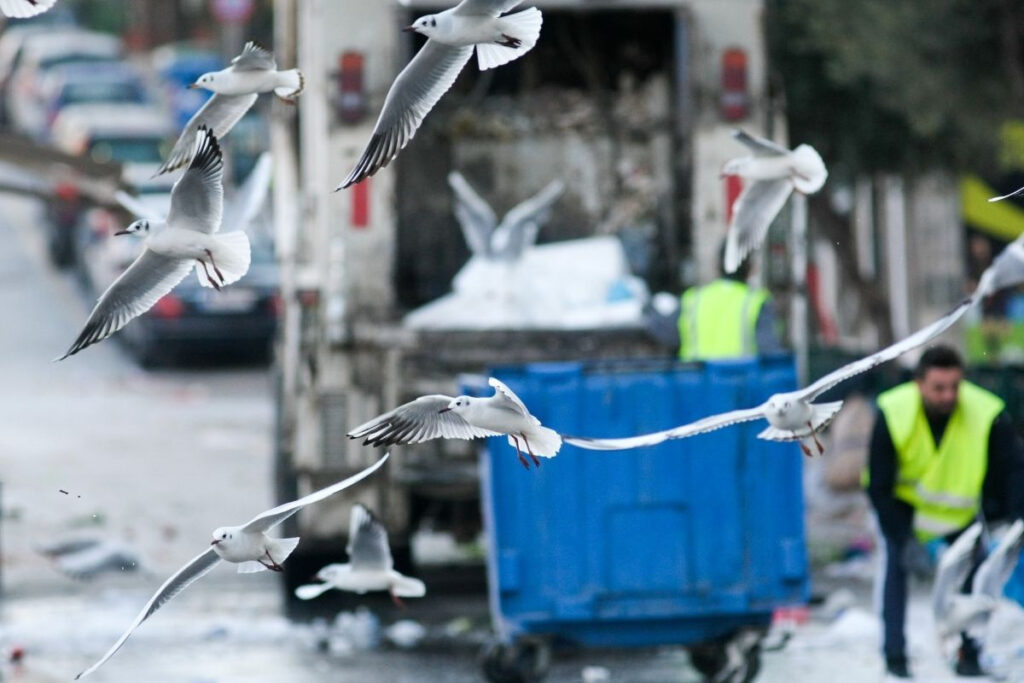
(273, 566)
(214, 264)
(397, 600)
(208, 278)
(814, 434)
(529, 450)
(519, 452)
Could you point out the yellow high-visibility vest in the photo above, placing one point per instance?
(942, 482)
(719, 320)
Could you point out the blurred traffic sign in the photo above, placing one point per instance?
(232, 11)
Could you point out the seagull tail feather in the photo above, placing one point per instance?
(809, 170)
(231, 254)
(542, 441)
(292, 83)
(407, 587)
(522, 29)
(281, 548)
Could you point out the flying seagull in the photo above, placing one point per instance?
(85, 558)
(953, 610)
(791, 416)
(769, 176)
(957, 612)
(173, 248)
(463, 417)
(794, 416)
(235, 90)
(20, 9)
(246, 545)
(505, 241)
(451, 37)
(369, 566)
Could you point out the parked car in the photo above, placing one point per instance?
(43, 51)
(88, 83)
(134, 134)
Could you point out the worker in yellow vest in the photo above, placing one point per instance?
(943, 452)
(727, 318)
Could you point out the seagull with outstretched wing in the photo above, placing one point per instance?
(246, 545)
(517, 231)
(173, 248)
(770, 175)
(235, 89)
(452, 35)
(463, 417)
(369, 567)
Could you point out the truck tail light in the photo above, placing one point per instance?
(734, 100)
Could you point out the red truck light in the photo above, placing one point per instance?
(734, 100)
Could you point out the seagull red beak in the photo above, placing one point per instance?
(409, 29)
(121, 232)
(193, 86)
(215, 541)
(443, 410)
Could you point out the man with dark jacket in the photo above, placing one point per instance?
(943, 452)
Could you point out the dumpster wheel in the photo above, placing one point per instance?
(525, 661)
(732, 659)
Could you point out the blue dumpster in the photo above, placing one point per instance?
(681, 543)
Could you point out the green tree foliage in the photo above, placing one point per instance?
(899, 84)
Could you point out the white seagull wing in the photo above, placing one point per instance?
(954, 566)
(133, 206)
(254, 58)
(219, 114)
(274, 516)
(148, 279)
(755, 209)
(414, 93)
(182, 579)
(1007, 196)
(995, 571)
(508, 397)
(475, 215)
(759, 146)
(367, 547)
(701, 426)
(490, 8)
(1006, 270)
(197, 199)
(21, 9)
(417, 421)
(919, 338)
(518, 229)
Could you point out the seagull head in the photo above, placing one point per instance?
(205, 82)
(140, 227)
(458, 405)
(426, 26)
(222, 535)
(780, 404)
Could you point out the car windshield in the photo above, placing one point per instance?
(141, 150)
(76, 93)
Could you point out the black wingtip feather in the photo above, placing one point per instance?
(208, 156)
